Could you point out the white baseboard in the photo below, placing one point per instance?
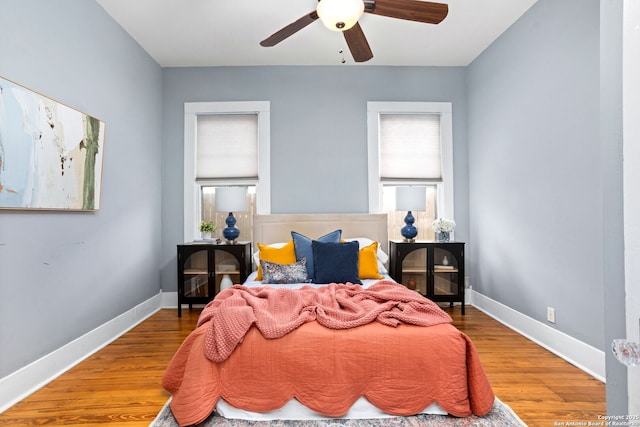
(588, 358)
(23, 382)
(468, 296)
(169, 300)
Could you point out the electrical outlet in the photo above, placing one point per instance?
(551, 315)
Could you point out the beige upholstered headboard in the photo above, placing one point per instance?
(276, 228)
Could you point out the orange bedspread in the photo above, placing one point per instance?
(400, 370)
(278, 311)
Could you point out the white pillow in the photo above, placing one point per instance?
(382, 256)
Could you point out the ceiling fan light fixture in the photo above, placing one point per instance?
(340, 15)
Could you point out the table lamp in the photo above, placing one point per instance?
(411, 198)
(231, 199)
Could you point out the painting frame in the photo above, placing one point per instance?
(51, 155)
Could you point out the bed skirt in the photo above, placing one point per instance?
(294, 410)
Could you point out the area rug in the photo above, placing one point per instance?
(501, 415)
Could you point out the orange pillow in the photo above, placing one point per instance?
(283, 255)
(368, 262)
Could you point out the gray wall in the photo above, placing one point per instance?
(318, 133)
(63, 274)
(535, 168)
(545, 171)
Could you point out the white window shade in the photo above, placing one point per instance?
(227, 146)
(410, 147)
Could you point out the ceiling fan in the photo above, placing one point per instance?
(343, 15)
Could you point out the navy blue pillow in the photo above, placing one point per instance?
(302, 246)
(336, 262)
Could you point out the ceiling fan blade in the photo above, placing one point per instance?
(358, 44)
(410, 10)
(289, 30)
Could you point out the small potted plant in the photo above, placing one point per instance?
(206, 228)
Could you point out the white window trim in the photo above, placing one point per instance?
(445, 193)
(192, 188)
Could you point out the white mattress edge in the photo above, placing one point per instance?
(294, 410)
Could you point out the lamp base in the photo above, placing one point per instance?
(231, 232)
(409, 231)
(231, 236)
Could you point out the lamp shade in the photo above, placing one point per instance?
(413, 198)
(340, 15)
(231, 199)
(409, 199)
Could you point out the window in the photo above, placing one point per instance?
(225, 144)
(244, 220)
(410, 143)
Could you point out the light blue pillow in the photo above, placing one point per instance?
(336, 262)
(302, 246)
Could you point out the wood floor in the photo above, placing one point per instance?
(121, 384)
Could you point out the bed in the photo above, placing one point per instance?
(362, 348)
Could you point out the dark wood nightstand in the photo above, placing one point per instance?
(202, 265)
(435, 268)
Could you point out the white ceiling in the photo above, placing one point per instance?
(183, 33)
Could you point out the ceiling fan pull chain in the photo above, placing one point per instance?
(341, 50)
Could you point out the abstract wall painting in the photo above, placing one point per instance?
(50, 154)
